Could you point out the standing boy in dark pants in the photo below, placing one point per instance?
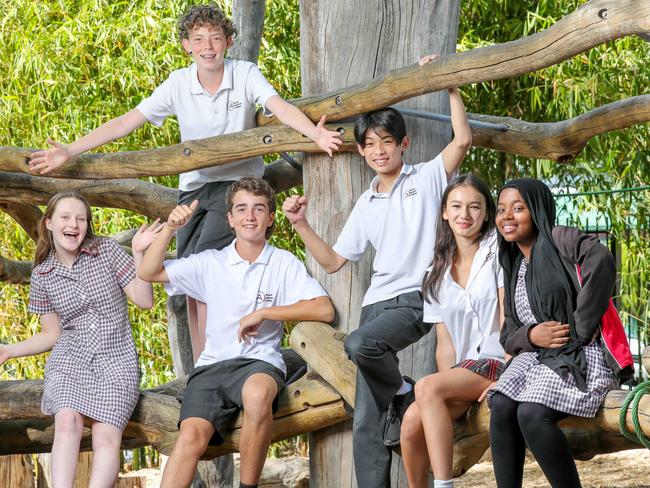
(397, 217)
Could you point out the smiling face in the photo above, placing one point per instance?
(514, 221)
(250, 217)
(207, 46)
(465, 211)
(382, 152)
(68, 225)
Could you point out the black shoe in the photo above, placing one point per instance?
(395, 414)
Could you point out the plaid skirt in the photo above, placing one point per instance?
(526, 380)
(488, 367)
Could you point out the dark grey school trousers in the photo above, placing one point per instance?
(385, 328)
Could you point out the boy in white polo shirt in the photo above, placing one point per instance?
(249, 287)
(397, 216)
(213, 96)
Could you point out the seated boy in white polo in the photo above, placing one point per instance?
(249, 288)
(397, 216)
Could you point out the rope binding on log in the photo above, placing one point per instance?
(634, 397)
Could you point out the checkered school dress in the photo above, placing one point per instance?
(93, 367)
(526, 380)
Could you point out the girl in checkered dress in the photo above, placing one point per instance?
(552, 319)
(79, 286)
(463, 293)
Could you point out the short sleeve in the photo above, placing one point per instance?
(431, 312)
(39, 301)
(258, 89)
(121, 262)
(298, 283)
(186, 275)
(157, 107)
(353, 240)
(434, 175)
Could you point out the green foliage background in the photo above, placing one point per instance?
(70, 65)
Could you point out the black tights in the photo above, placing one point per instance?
(513, 425)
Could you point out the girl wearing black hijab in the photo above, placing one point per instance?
(558, 283)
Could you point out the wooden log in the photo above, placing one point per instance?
(248, 17)
(560, 141)
(139, 196)
(145, 198)
(592, 24)
(646, 359)
(321, 346)
(28, 216)
(16, 471)
(171, 160)
(15, 272)
(308, 404)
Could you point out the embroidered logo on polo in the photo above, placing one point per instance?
(234, 105)
(264, 298)
(410, 193)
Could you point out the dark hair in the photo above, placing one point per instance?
(445, 246)
(45, 242)
(208, 15)
(257, 187)
(386, 119)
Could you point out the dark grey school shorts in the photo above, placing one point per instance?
(214, 391)
(208, 227)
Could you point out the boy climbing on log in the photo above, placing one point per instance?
(211, 97)
(397, 217)
(249, 288)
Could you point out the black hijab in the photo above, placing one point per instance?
(551, 292)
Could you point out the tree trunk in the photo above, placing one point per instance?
(248, 17)
(16, 471)
(344, 43)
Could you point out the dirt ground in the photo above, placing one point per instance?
(627, 469)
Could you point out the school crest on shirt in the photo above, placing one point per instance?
(264, 298)
(410, 193)
(234, 105)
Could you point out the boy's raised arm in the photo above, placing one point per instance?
(456, 150)
(151, 268)
(291, 115)
(42, 162)
(294, 208)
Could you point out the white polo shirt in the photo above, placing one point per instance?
(232, 288)
(471, 314)
(201, 115)
(400, 226)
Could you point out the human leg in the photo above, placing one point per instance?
(414, 449)
(386, 328)
(433, 393)
(68, 428)
(548, 444)
(506, 441)
(106, 455)
(195, 434)
(258, 394)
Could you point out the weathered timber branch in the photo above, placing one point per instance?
(646, 359)
(322, 347)
(592, 24)
(28, 216)
(560, 141)
(139, 196)
(308, 404)
(15, 272)
(145, 198)
(179, 158)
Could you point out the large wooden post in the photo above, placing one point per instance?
(344, 42)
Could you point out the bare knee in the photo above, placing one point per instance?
(68, 423)
(428, 390)
(258, 394)
(411, 425)
(194, 436)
